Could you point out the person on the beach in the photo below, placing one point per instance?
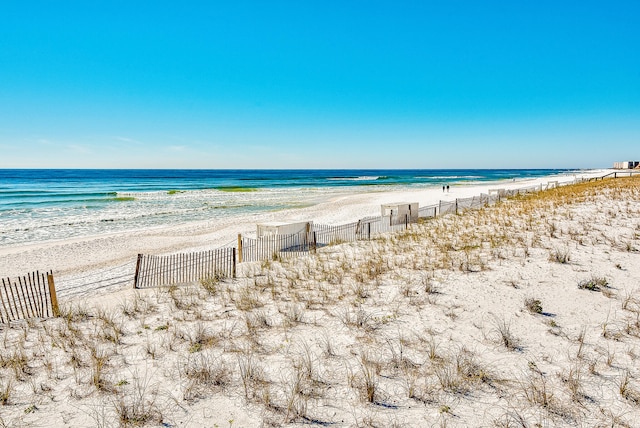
(447, 188)
(443, 188)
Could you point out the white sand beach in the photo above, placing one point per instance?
(522, 314)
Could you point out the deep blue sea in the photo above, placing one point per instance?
(40, 205)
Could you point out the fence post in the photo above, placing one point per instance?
(456, 206)
(9, 315)
(15, 313)
(315, 248)
(234, 262)
(369, 231)
(406, 221)
(54, 297)
(135, 278)
(239, 248)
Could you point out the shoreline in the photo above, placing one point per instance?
(79, 256)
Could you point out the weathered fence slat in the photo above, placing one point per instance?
(42, 291)
(26, 297)
(53, 296)
(19, 303)
(41, 302)
(31, 296)
(11, 307)
(34, 296)
(5, 318)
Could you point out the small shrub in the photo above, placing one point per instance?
(247, 299)
(211, 284)
(593, 284)
(560, 255)
(367, 381)
(6, 389)
(448, 378)
(533, 305)
(327, 344)
(361, 319)
(429, 286)
(138, 406)
(627, 391)
(201, 337)
(206, 373)
(535, 389)
(99, 361)
(252, 375)
(503, 330)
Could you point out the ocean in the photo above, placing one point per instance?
(42, 205)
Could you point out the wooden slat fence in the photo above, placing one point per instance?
(272, 247)
(461, 205)
(276, 246)
(530, 189)
(30, 296)
(429, 211)
(155, 271)
(374, 226)
(446, 207)
(330, 235)
(491, 199)
(465, 204)
(622, 173)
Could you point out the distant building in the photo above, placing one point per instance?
(626, 165)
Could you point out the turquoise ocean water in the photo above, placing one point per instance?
(41, 205)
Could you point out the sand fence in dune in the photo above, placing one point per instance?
(152, 270)
(282, 246)
(179, 269)
(27, 297)
(184, 268)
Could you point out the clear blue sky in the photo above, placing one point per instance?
(302, 84)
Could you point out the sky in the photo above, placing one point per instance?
(309, 84)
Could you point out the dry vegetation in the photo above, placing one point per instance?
(523, 314)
